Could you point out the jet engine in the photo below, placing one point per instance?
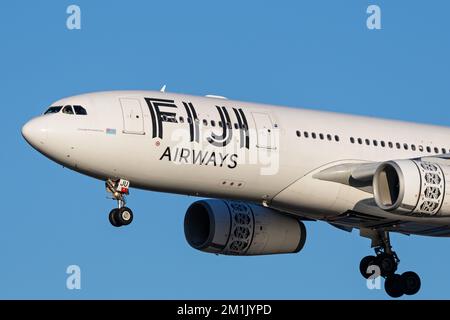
(239, 228)
(413, 187)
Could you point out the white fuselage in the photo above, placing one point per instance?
(267, 154)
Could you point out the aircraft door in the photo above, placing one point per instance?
(265, 130)
(133, 119)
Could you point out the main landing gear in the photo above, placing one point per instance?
(387, 262)
(122, 215)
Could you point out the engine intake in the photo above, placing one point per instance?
(412, 187)
(239, 228)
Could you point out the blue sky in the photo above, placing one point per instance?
(315, 54)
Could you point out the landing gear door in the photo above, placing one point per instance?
(133, 120)
(265, 130)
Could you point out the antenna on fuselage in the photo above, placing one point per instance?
(163, 89)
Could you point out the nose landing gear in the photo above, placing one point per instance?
(122, 215)
(387, 261)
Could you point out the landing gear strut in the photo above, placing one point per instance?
(122, 215)
(387, 262)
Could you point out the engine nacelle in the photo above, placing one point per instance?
(412, 187)
(239, 228)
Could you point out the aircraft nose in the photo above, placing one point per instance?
(35, 132)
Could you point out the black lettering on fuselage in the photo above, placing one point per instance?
(165, 110)
(212, 159)
(185, 157)
(243, 128)
(223, 157)
(166, 154)
(192, 119)
(233, 160)
(227, 133)
(198, 157)
(158, 116)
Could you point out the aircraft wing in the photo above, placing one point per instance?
(360, 175)
(415, 204)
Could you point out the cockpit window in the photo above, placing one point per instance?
(54, 109)
(67, 110)
(80, 110)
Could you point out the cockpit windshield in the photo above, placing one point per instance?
(80, 110)
(77, 109)
(67, 110)
(54, 109)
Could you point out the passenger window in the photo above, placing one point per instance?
(428, 149)
(181, 119)
(236, 126)
(67, 110)
(352, 140)
(205, 122)
(220, 124)
(298, 133)
(405, 145)
(359, 140)
(413, 147)
(375, 143)
(321, 136)
(436, 150)
(305, 134)
(443, 150)
(382, 143)
(390, 144)
(420, 148)
(80, 110)
(368, 142)
(213, 123)
(329, 137)
(397, 145)
(336, 138)
(313, 135)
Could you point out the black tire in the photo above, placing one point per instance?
(364, 265)
(394, 286)
(124, 216)
(112, 218)
(387, 264)
(411, 282)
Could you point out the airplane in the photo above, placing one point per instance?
(264, 170)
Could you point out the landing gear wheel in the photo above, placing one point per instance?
(124, 216)
(394, 286)
(364, 265)
(411, 282)
(112, 217)
(118, 188)
(387, 264)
